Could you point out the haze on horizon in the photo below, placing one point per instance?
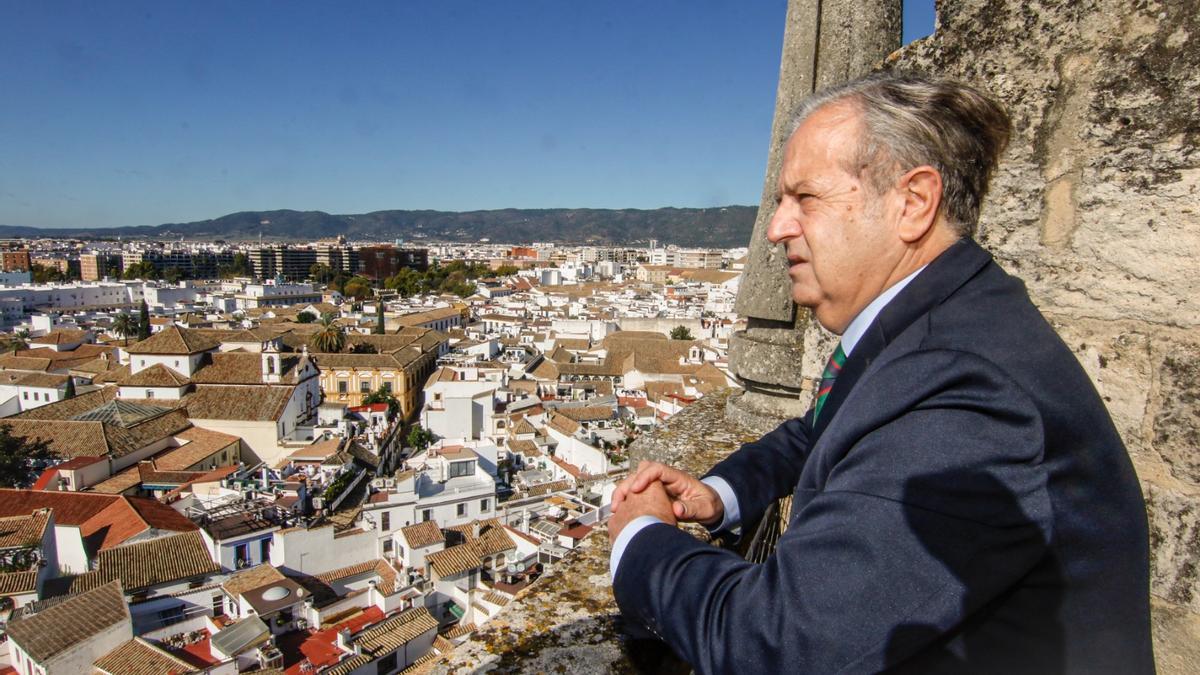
(140, 113)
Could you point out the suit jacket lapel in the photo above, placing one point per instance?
(949, 271)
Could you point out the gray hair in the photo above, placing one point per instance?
(909, 121)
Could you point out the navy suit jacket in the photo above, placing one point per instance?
(964, 505)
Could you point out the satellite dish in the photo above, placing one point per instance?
(520, 567)
(511, 569)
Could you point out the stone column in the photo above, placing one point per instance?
(825, 42)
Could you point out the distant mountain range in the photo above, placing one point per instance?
(719, 227)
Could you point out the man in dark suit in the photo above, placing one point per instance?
(961, 501)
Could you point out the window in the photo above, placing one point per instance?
(343, 386)
(364, 387)
(426, 514)
(25, 395)
(149, 393)
(387, 545)
(483, 505)
(462, 509)
(265, 549)
(466, 468)
(387, 386)
(241, 555)
(385, 521)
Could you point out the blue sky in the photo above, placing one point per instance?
(132, 113)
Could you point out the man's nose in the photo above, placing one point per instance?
(783, 226)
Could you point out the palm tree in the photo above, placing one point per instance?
(124, 326)
(20, 340)
(331, 338)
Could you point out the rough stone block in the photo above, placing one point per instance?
(1177, 420)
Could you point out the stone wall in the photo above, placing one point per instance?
(1097, 207)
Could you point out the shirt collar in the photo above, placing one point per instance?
(859, 325)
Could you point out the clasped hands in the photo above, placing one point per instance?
(666, 493)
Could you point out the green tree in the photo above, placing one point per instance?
(141, 270)
(321, 273)
(20, 340)
(379, 329)
(357, 288)
(331, 338)
(363, 348)
(21, 459)
(382, 395)
(172, 275)
(506, 270)
(143, 328)
(42, 274)
(420, 437)
(125, 325)
(681, 333)
(305, 317)
(69, 392)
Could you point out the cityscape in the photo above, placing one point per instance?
(322, 457)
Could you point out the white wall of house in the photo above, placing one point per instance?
(260, 440)
(36, 397)
(185, 364)
(72, 556)
(169, 393)
(582, 455)
(316, 551)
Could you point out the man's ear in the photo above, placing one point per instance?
(921, 189)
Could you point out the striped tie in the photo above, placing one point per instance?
(831, 372)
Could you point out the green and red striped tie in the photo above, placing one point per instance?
(827, 378)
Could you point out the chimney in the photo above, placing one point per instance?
(475, 529)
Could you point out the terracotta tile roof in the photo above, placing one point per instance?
(454, 560)
(174, 340)
(492, 538)
(156, 375)
(527, 448)
(417, 318)
(496, 598)
(460, 630)
(357, 361)
(546, 488)
(246, 403)
(118, 483)
(244, 368)
(24, 531)
(95, 366)
(61, 336)
(570, 468)
(111, 376)
(523, 427)
(104, 520)
(588, 413)
(43, 380)
(30, 363)
(255, 577)
(65, 624)
(386, 637)
(347, 572)
(149, 563)
(138, 657)
(423, 534)
(563, 424)
(200, 445)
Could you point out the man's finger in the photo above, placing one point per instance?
(648, 472)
